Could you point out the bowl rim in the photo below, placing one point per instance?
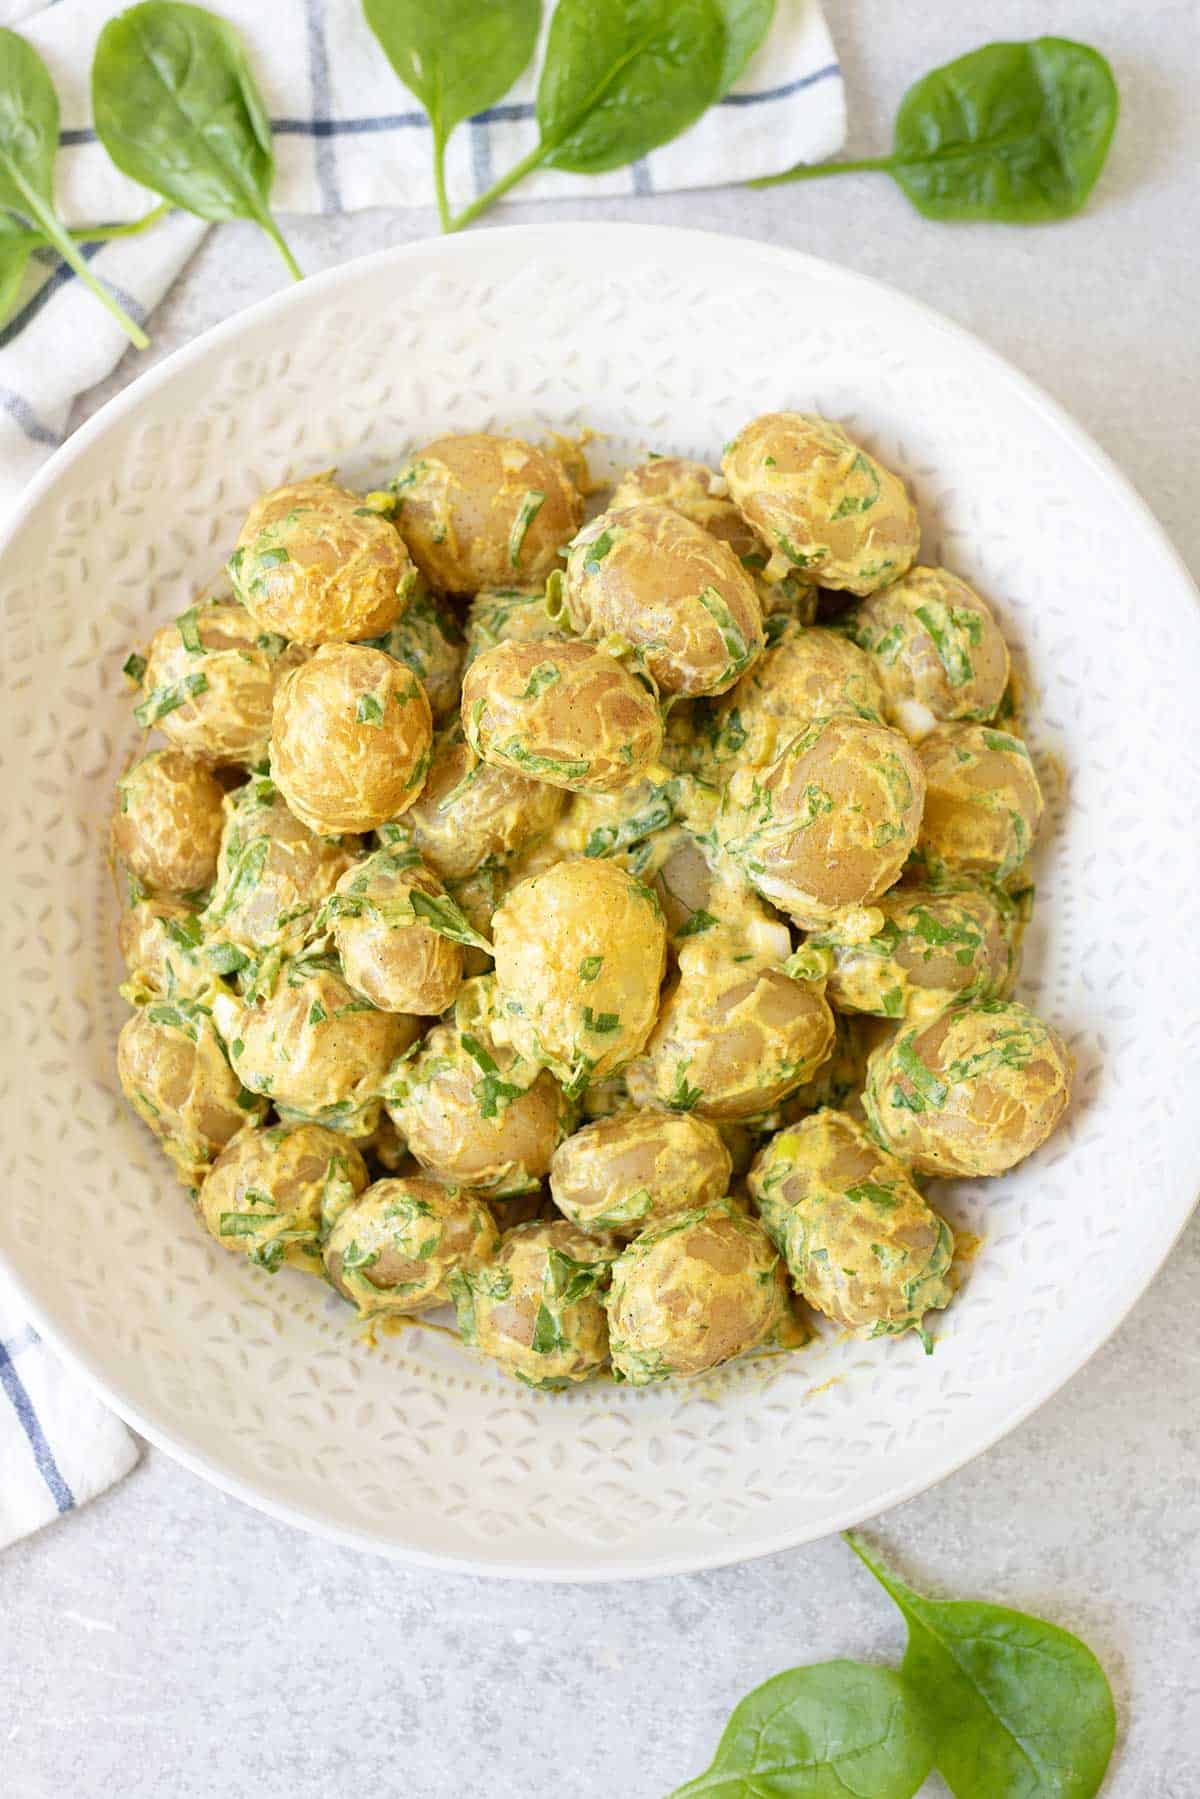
(543, 239)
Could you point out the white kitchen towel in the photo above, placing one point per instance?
(347, 135)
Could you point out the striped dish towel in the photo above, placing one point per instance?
(347, 136)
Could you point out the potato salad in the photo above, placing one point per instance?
(599, 921)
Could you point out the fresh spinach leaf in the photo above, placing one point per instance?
(821, 1732)
(746, 25)
(28, 146)
(177, 108)
(1024, 1710)
(456, 60)
(16, 247)
(1016, 132)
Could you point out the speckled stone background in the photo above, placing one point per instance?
(167, 1643)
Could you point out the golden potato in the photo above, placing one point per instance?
(209, 680)
(983, 803)
(397, 1246)
(427, 640)
(472, 814)
(472, 1111)
(173, 1072)
(649, 577)
(535, 1308)
(478, 511)
(733, 1037)
(928, 947)
(391, 953)
(167, 824)
(318, 565)
(972, 1092)
(580, 952)
(512, 615)
(634, 1170)
(807, 673)
(273, 874)
(314, 1048)
(822, 503)
(162, 945)
(351, 739)
(860, 1243)
(696, 1291)
(830, 822)
(273, 1195)
(561, 711)
(937, 649)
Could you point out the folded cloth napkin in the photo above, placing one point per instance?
(347, 135)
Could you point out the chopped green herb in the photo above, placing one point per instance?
(168, 699)
(369, 710)
(134, 667)
(590, 967)
(543, 676)
(528, 510)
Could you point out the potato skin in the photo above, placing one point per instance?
(972, 1092)
(473, 814)
(830, 822)
(634, 1170)
(860, 1242)
(700, 1289)
(173, 1072)
(651, 577)
(166, 827)
(519, 1310)
(479, 510)
(566, 713)
(822, 503)
(273, 873)
(937, 649)
(270, 1194)
(983, 803)
(932, 947)
(395, 1248)
(393, 960)
(316, 564)
(160, 941)
(807, 672)
(580, 954)
(512, 615)
(210, 680)
(351, 739)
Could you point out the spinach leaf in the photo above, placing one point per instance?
(746, 25)
(16, 248)
(456, 60)
(1023, 1708)
(1017, 132)
(619, 77)
(28, 146)
(177, 108)
(821, 1732)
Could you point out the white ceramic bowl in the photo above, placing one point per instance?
(655, 339)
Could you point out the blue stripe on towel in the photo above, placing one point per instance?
(43, 1455)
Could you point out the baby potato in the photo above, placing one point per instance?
(634, 1170)
(315, 1049)
(473, 814)
(272, 1194)
(173, 1072)
(512, 615)
(692, 1293)
(824, 505)
(273, 874)
(806, 673)
(395, 1248)
(931, 946)
(390, 955)
(351, 739)
(472, 1111)
(478, 510)
(318, 565)
(162, 946)
(860, 1243)
(983, 803)
(937, 649)
(627, 824)
(427, 640)
(649, 577)
(732, 1038)
(830, 822)
(209, 680)
(563, 712)
(536, 1307)
(580, 952)
(167, 824)
(972, 1092)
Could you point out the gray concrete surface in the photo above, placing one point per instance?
(167, 1643)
